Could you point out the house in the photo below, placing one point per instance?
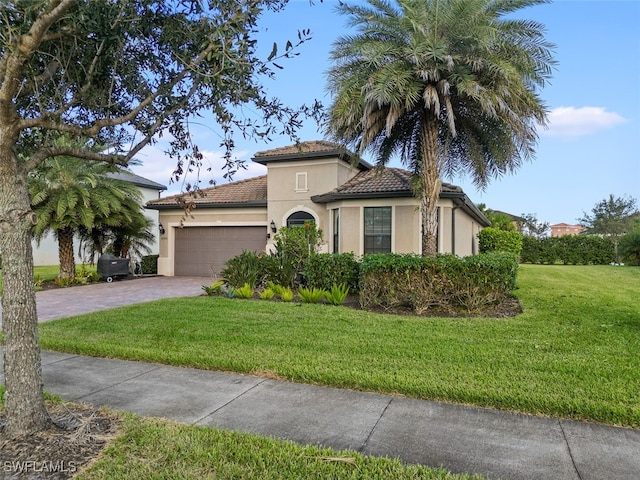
(560, 229)
(359, 209)
(46, 252)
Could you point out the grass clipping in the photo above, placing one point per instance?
(76, 437)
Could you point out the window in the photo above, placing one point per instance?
(377, 229)
(336, 230)
(299, 219)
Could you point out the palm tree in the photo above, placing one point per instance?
(448, 85)
(68, 194)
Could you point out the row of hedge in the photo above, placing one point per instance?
(445, 281)
(393, 280)
(568, 249)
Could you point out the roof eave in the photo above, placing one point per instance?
(334, 197)
(175, 206)
(341, 154)
(461, 199)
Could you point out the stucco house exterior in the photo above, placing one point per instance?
(46, 252)
(359, 208)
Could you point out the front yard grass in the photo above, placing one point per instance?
(572, 353)
(156, 448)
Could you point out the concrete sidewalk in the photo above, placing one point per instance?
(498, 445)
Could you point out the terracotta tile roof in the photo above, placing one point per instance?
(315, 146)
(378, 182)
(252, 191)
(308, 151)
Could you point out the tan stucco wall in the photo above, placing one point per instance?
(286, 198)
(406, 221)
(406, 227)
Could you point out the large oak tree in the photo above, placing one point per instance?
(120, 73)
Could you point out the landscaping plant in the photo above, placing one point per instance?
(337, 294)
(246, 291)
(311, 295)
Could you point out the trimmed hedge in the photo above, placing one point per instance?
(496, 240)
(149, 264)
(568, 249)
(324, 270)
(446, 281)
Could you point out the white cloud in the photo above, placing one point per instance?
(157, 166)
(576, 122)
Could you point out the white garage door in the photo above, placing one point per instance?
(202, 251)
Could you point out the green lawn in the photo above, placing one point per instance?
(48, 273)
(573, 353)
(154, 448)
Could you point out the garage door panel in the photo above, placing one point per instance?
(202, 251)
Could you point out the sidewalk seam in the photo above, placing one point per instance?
(215, 410)
(120, 383)
(566, 442)
(364, 444)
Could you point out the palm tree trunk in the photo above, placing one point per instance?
(430, 184)
(65, 253)
(24, 401)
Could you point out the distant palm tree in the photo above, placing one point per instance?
(448, 85)
(68, 194)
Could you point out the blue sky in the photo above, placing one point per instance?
(588, 151)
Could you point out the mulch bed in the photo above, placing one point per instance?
(76, 437)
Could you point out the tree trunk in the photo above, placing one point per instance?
(429, 184)
(24, 402)
(65, 253)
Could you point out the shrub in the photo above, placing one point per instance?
(324, 270)
(214, 289)
(64, 282)
(280, 269)
(85, 274)
(293, 247)
(248, 267)
(267, 294)
(246, 291)
(286, 294)
(283, 293)
(496, 240)
(420, 283)
(337, 294)
(629, 248)
(311, 295)
(149, 264)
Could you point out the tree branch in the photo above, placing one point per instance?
(47, 152)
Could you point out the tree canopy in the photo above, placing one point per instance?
(122, 74)
(449, 86)
(612, 217)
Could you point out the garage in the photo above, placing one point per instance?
(202, 251)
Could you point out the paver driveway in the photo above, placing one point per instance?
(65, 302)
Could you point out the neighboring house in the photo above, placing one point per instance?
(560, 229)
(46, 253)
(359, 208)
